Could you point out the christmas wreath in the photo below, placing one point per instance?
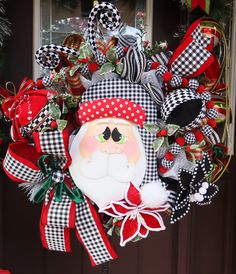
(118, 133)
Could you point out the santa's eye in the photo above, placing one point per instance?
(103, 137)
(118, 137)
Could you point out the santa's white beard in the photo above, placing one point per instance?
(105, 177)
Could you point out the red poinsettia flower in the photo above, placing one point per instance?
(135, 219)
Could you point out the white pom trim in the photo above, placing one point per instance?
(154, 194)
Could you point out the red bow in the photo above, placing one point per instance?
(10, 102)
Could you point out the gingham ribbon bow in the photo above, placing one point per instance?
(58, 217)
(60, 210)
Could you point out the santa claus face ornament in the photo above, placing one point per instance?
(107, 154)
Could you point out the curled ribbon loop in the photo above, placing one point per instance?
(107, 15)
(55, 178)
(48, 56)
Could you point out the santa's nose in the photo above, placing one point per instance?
(111, 147)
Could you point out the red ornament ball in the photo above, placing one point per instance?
(184, 82)
(53, 124)
(162, 133)
(199, 136)
(169, 156)
(200, 89)
(93, 67)
(162, 169)
(167, 76)
(155, 65)
(180, 141)
(210, 104)
(212, 123)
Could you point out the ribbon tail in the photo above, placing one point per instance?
(74, 195)
(58, 192)
(40, 194)
(96, 244)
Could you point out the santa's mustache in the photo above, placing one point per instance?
(102, 164)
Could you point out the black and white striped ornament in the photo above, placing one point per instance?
(162, 57)
(134, 64)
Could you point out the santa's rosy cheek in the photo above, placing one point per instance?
(87, 146)
(130, 148)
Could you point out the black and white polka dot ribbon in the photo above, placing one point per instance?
(48, 56)
(107, 15)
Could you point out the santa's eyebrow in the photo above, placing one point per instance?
(102, 122)
(105, 122)
(121, 123)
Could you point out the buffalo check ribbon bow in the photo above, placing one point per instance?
(133, 217)
(60, 213)
(193, 187)
(58, 217)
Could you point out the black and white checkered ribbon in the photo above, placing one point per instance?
(63, 215)
(19, 171)
(48, 56)
(43, 120)
(178, 98)
(53, 143)
(192, 56)
(107, 15)
(89, 233)
(55, 230)
(60, 217)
